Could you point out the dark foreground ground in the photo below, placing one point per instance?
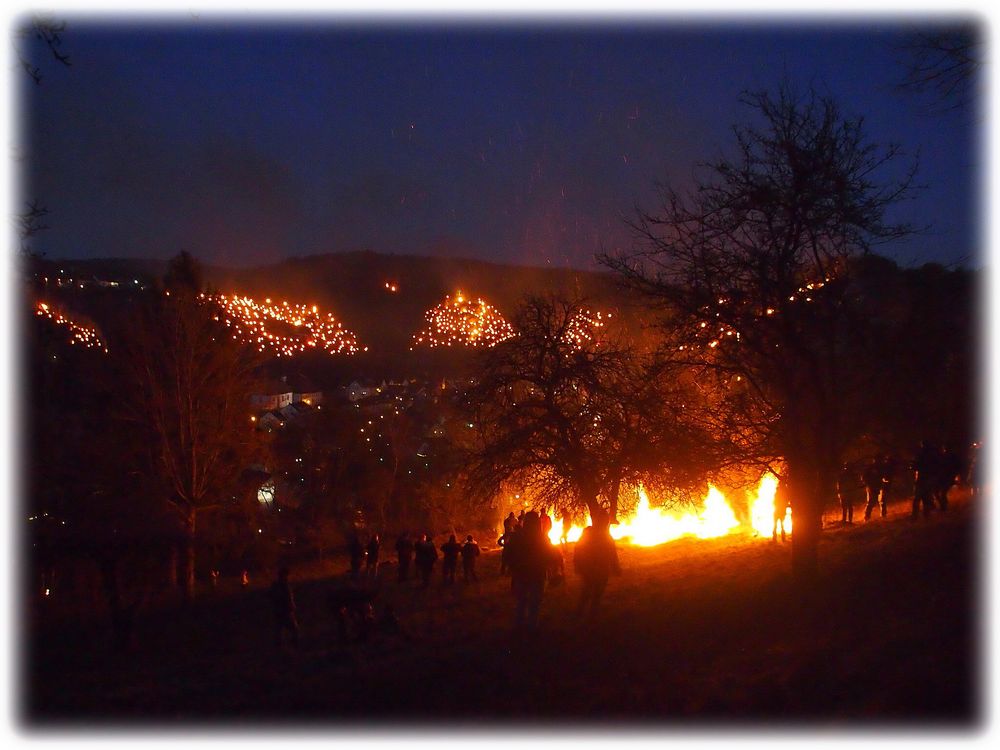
(695, 634)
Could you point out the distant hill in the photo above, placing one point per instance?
(352, 286)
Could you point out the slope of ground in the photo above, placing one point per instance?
(697, 634)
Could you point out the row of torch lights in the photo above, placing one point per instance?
(457, 321)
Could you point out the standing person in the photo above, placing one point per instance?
(595, 560)
(470, 551)
(371, 568)
(283, 608)
(781, 503)
(357, 552)
(505, 543)
(976, 470)
(531, 557)
(450, 551)
(567, 524)
(888, 468)
(925, 467)
(874, 479)
(848, 485)
(508, 523)
(546, 522)
(404, 555)
(948, 471)
(425, 555)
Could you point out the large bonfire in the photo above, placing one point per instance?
(648, 526)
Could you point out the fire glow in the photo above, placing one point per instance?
(308, 328)
(649, 526)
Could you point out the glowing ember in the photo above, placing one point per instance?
(305, 326)
(79, 333)
(463, 322)
(649, 526)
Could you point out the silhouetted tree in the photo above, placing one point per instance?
(572, 419)
(184, 274)
(943, 63)
(187, 390)
(751, 268)
(46, 30)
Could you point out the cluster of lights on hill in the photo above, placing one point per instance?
(582, 327)
(304, 326)
(287, 329)
(79, 333)
(461, 321)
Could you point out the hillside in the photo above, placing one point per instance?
(353, 287)
(696, 634)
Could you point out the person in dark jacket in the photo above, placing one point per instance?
(849, 487)
(425, 555)
(531, 557)
(371, 568)
(357, 552)
(949, 468)
(925, 478)
(509, 523)
(470, 551)
(404, 556)
(283, 609)
(595, 560)
(450, 551)
(876, 478)
(781, 503)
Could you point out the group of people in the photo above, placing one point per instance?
(531, 560)
(935, 469)
(529, 557)
(419, 553)
(424, 555)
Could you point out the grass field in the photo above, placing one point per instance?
(694, 634)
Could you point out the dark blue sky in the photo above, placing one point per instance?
(246, 144)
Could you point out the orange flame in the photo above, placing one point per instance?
(649, 526)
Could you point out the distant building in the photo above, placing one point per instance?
(271, 401)
(357, 391)
(312, 399)
(285, 392)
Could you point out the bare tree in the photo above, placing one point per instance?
(48, 32)
(572, 419)
(187, 389)
(752, 271)
(943, 63)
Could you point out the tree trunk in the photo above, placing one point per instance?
(615, 490)
(807, 520)
(590, 499)
(172, 563)
(187, 578)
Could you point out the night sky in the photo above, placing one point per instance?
(529, 144)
